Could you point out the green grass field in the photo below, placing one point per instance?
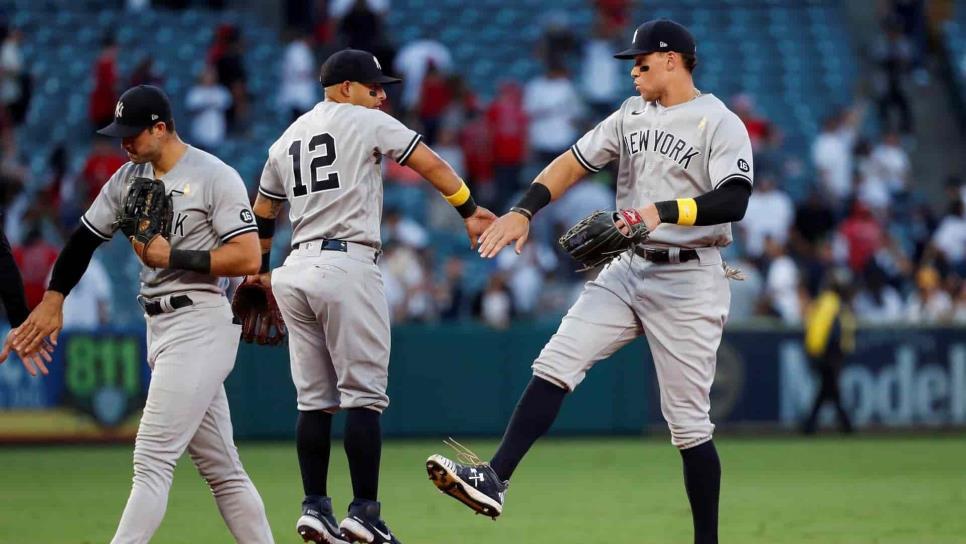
(827, 490)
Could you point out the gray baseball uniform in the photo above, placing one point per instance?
(327, 164)
(191, 350)
(664, 153)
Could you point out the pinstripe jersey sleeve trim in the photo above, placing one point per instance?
(409, 149)
(739, 177)
(236, 232)
(583, 162)
(96, 232)
(270, 194)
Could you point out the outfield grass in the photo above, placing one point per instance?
(615, 491)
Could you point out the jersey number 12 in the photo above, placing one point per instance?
(326, 156)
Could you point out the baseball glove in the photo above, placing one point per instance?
(255, 308)
(595, 239)
(147, 211)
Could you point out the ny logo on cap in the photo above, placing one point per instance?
(634, 39)
(119, 109)
(375, 60)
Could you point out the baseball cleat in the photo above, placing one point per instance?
(317, 523)
(472, 482)
(363, 524)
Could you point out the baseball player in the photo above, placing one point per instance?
(191, 339)
(327, 165)
(684, 169)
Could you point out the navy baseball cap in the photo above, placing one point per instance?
(353, 65)
(659, 35)
(138, 108)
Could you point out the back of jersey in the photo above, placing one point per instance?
(328, 165)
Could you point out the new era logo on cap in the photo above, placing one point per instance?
(663, 44)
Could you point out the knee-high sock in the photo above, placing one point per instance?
(702, 480)
(313, 440)
(363, 447)
(532, 418)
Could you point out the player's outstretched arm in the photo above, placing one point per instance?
(47, 318)
(442, 176)
(514, 226)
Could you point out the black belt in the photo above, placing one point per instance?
(331, 244)
(328, 245)
(663, 256)
(154, 307)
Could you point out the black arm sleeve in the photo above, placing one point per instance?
(73, 260)
(11, 285)
(725, 204)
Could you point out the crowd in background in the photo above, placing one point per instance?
(865, 210)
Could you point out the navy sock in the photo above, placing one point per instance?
(702, 480)
(363, 447)
(532, 418)
(313, 438)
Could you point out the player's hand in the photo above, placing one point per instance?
(157, 253)
(46, 320)
(477, 223)
(650, 216)
(31, 361)
(260, 279)
(511, 227)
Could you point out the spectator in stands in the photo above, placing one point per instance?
(360, 26)
(226, 56)
(959, 312)
(557, 41)
(12, 76)
(772, 215)
(447, 146)
(892, 55)
(929, 303)
(949, 240)
(832, 153)
(450, 293)
(475, 140)
(398, 229)
(863, 235)
(758, 127)
(144, 73)
(208, 103)
(105, 94)
(35, 258)
(614, 13)
(507, 124)
(525, 274)
(411, 63)
(877, 301)
(829, 338)
(434, 97)
(104, 159)
(494, 305)
(299, 82)
(555, 109)
(602, 80)
(89, 305)
(782, 284)
(814, 221)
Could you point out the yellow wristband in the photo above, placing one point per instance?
(687, 211)
(460, 196)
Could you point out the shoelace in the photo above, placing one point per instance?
(464, 454)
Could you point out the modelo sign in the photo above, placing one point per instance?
(912, 377)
